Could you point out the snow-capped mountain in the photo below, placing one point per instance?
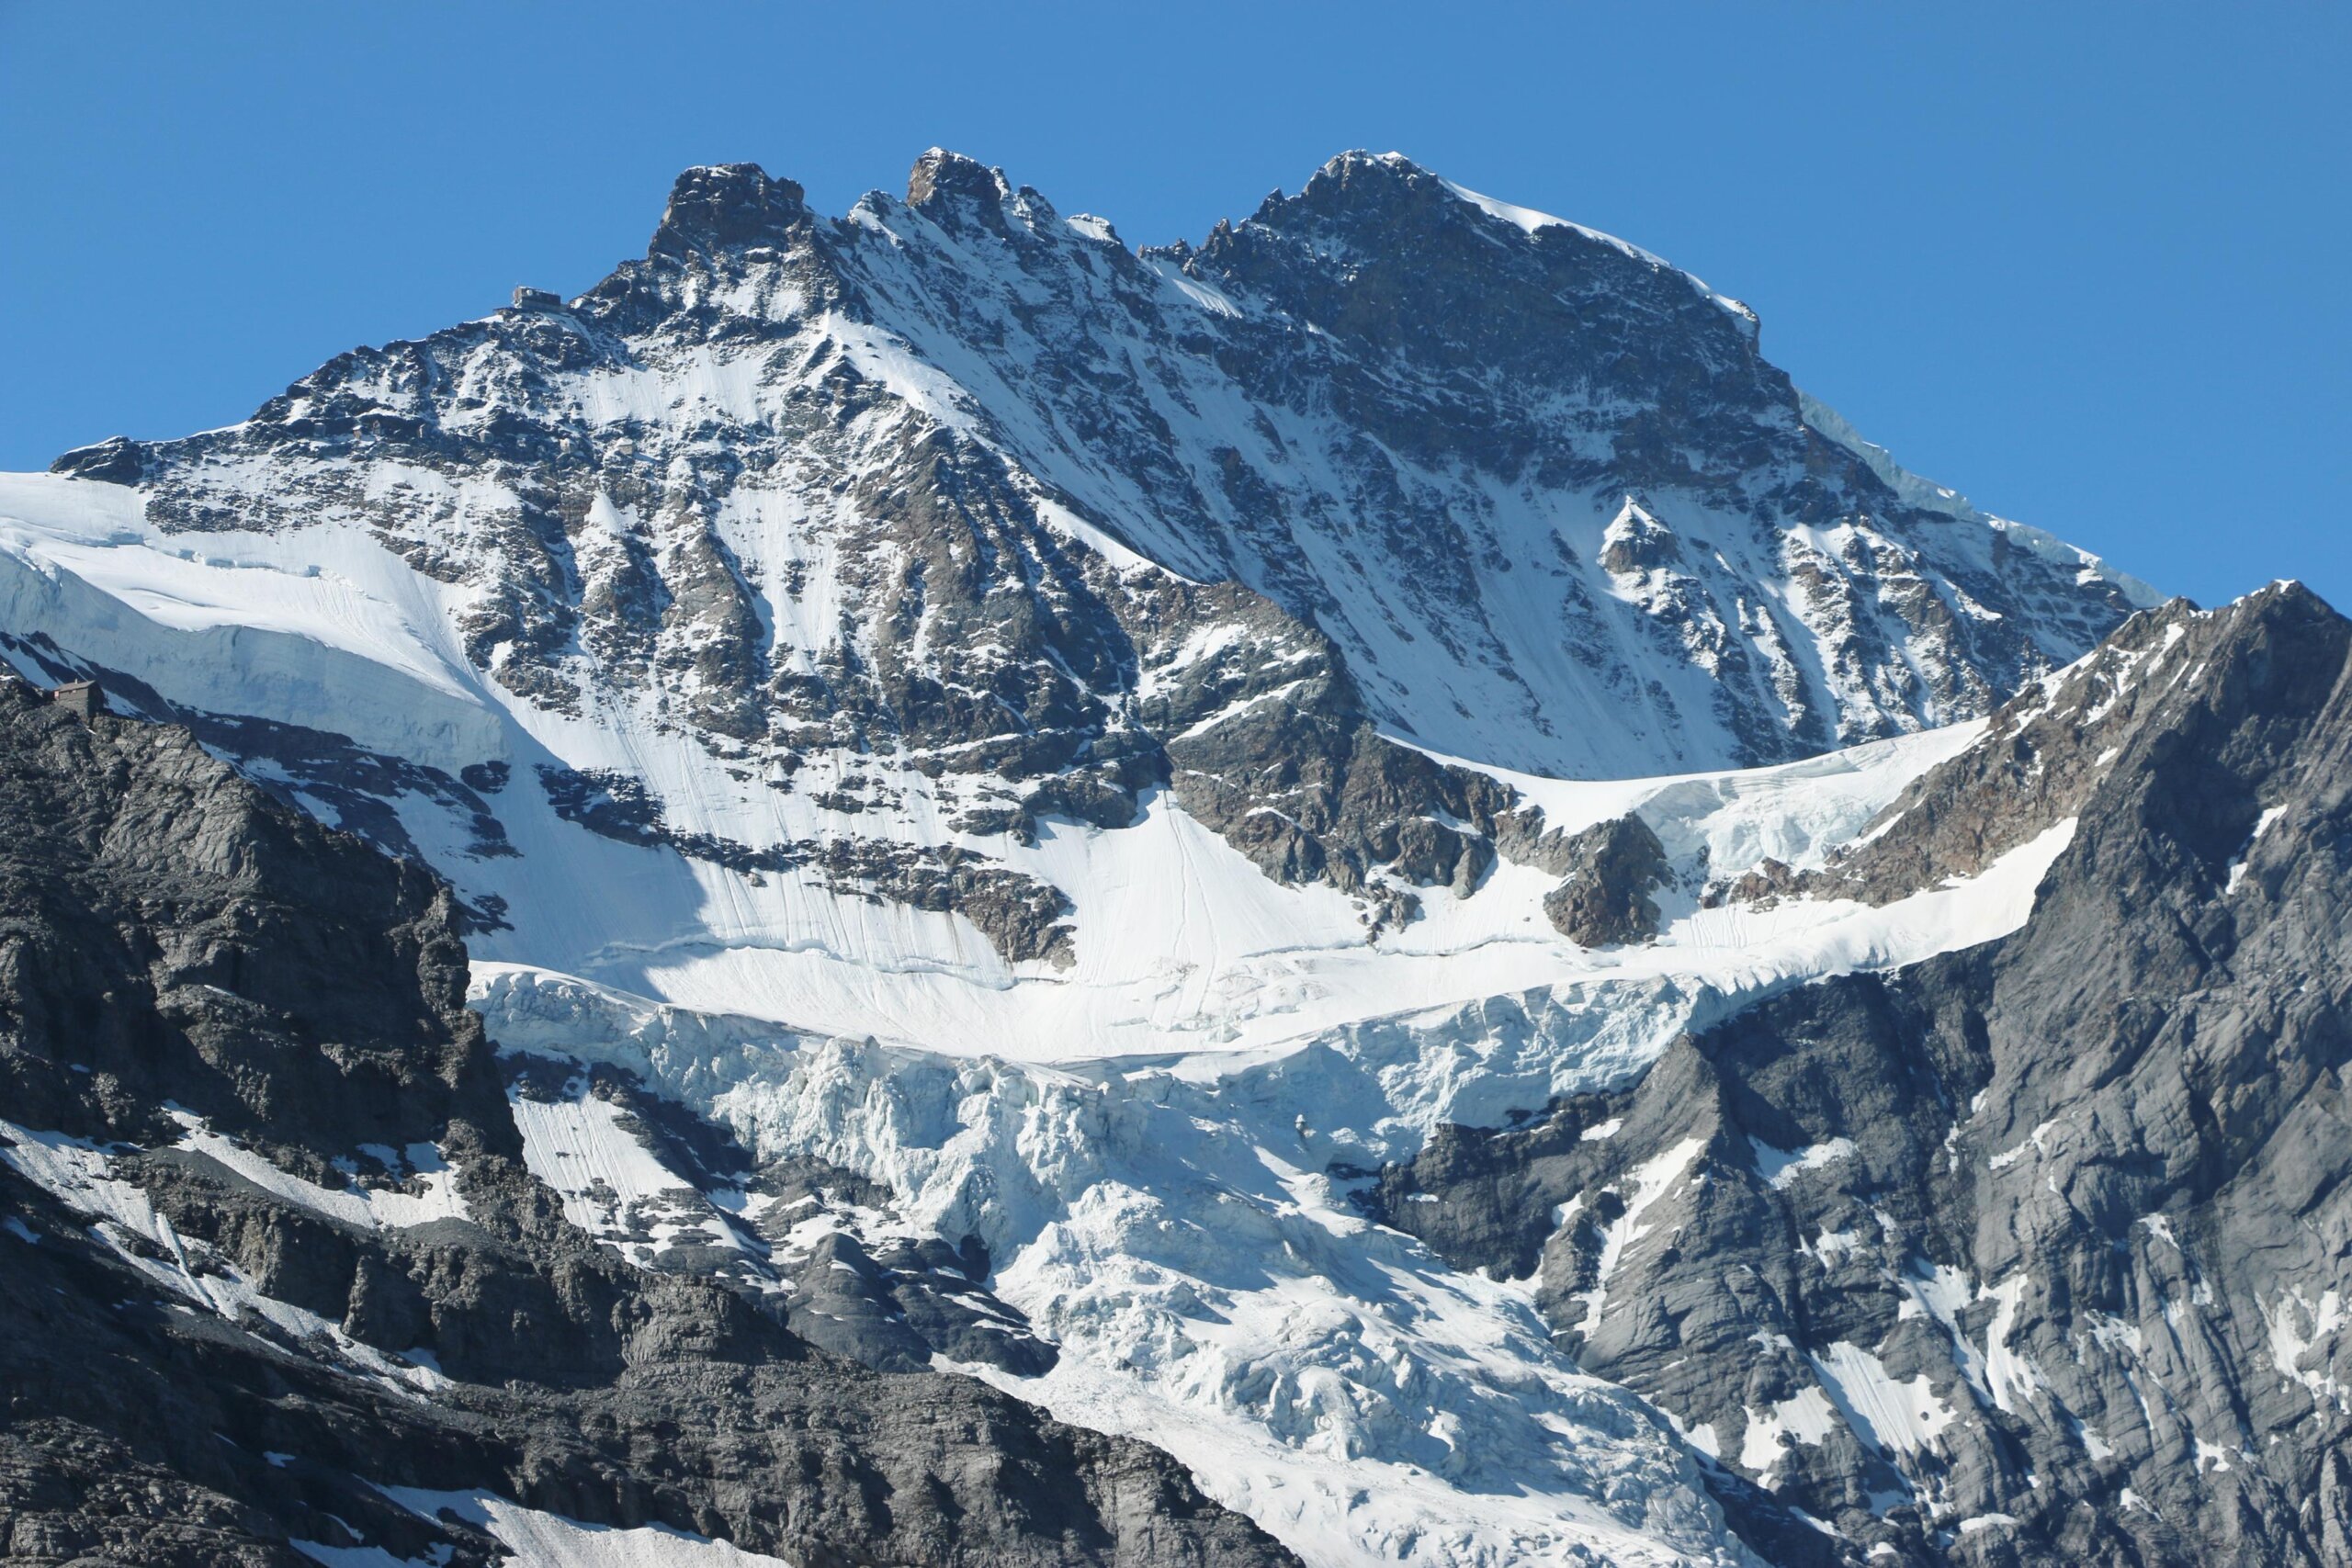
(884, 480)
(1155, 828)
(913, 528)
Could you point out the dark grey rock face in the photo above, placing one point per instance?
(1613, 867)
(200, 1370)
(2034, 1253)
(2045, 753)
(158, 942)
(315, 771)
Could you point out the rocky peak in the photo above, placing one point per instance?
(1637, 542)
(1360, 184)
(2152, 703)
(725, 206)
(116, 460)
(301, 988)
(1382, 253)
(940, 178)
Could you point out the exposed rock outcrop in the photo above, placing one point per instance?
(2033, 1253)
(1613, 867)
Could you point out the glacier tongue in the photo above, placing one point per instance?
(1209, 1287)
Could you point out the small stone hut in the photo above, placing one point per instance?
(79, 698)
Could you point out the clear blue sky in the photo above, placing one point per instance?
(2085, 261)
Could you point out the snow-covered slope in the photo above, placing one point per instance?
(1103, 747)
(1183, 942)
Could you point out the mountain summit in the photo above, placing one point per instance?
(1538, 489)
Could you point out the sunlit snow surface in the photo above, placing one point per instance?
(534, 1538)
(1142, 1140)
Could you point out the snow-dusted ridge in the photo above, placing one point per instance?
(1529, 221)
(1928, 494)
(197, 1277)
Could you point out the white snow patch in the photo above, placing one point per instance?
(1982, 1522)
(2037, 1140)
(2237, 866)
(610, 1184)
(2298, 1325)
(1652, 1180)
(1781, 1167)
(369, 1208)
(1827, 1245)
(2009, 1376)
(1899, 1418)
(1807, 1417)
(539, 1540)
